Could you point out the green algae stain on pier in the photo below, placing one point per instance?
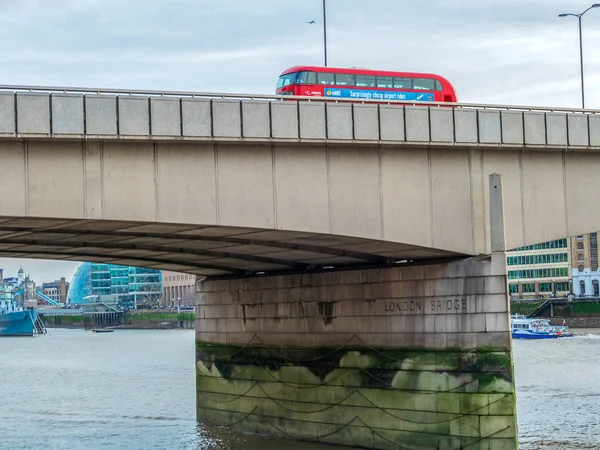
(370, 396)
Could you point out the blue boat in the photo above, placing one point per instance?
(536, 328)
(16, 320)
(18, 323)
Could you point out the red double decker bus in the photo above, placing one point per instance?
(364, 84)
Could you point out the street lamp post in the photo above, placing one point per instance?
(579, 16)
(325, 30)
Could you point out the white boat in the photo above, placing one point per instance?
(536, 328)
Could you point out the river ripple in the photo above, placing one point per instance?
(134, 390)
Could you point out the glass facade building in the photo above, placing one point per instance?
(100, 274)
(540, 270)
(81, 285)
(132, 287)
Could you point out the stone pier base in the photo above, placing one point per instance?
(402, 358)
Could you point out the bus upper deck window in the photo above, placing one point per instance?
(306, 78)
(385, 82)
(344, 79)
(403, 83)
(425, 84)
(365, 80)
(326, 78)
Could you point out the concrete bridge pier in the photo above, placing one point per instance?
(403, 358)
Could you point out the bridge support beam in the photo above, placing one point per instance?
(416, 357)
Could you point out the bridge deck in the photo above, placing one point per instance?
(129, 114)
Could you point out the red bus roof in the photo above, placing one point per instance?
(359, 71)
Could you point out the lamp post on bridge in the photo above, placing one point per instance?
(579, 16)
(325, 30)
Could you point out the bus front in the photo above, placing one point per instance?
(298, 81)
(287, 83)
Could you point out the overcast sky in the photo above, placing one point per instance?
(493, 51)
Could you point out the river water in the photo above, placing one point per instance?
(133, 390)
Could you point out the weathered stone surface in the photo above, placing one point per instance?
(416, 356)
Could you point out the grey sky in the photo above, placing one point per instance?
(493, 51)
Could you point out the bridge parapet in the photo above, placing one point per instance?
(151, 115)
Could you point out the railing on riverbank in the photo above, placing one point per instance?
(557, 307)
(61, 311)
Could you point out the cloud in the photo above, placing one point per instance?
(493, 51)
(40, 271)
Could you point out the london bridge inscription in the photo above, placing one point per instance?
(423, 306)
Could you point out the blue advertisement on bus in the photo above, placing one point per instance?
(361, 94)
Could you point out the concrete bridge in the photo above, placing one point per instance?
(356, 291)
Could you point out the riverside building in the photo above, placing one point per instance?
(540, 270)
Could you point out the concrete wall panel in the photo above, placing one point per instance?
(507, 163)
(465, 123)
(339, 121)
(417, 123)
(556, 129)
(594, 124)
(227, 119)
(512, 127)
(7, 112)
(478, 189)
(196, 117)
(284, 120)
(165, 116)
(406, 195)
(442, 125)
(312, 120)
(355, 194)
(134, 119)
(125, 196)
(543, 196)
(578, 129)
(391, 122)
(245, 185)
(256, 121)
(535, 128)
(101, 114)
(302, 188)
(582, 175)
(92, 158)
(33, 113)
(67, 114)
(14, 201)
(366, 122)
(490, 129)
(451, 199)
(55, 179)
(186, 183)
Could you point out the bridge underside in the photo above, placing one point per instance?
(211, 251)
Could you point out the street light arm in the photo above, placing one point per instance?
(595, 5)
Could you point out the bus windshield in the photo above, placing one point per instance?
(286, 80)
